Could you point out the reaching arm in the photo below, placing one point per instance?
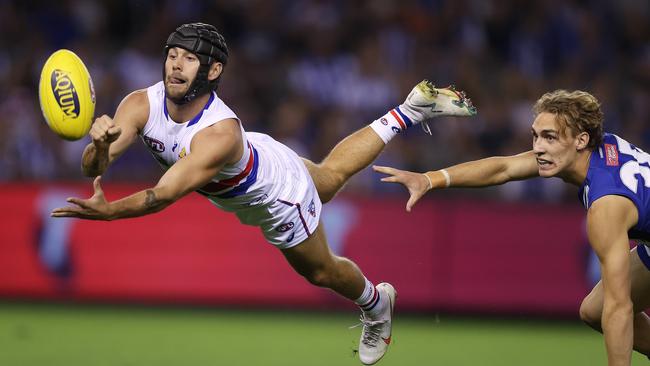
(111, 137)
(487, 172)
(608, 220)
(478, 173)
(211, 149)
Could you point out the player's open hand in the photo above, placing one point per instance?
(94, 208)
(416, 183)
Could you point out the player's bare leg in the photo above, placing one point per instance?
(314, 260)
(591, 308)
(358, 150)
(353, 153)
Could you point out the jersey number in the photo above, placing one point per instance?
(630, 169)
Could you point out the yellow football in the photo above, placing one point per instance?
(67, 95)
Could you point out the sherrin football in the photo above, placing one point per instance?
(67, 95)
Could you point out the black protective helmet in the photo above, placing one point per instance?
(208, 45)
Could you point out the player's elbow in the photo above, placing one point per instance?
(160, 197)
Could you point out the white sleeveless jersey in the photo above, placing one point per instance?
(264, 188)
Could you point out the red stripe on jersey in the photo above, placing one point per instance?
(231, 182)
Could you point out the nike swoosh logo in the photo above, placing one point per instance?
(390, 303)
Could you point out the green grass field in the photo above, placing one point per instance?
(40, 334)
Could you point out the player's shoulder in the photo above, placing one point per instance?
(134, 108)
(220, 139)
(602, 178)
(137, 99)
(225, 129)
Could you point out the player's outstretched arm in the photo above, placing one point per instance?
(608, 220)
(112, 136)
(478, 173)
(210, 151)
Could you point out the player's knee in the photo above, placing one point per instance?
(327, 195)
(590, 313)
(319, 277)
(328, 182)
(328, 274)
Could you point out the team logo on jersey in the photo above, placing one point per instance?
(611, 154)
(312, 208)
(182, 153)
(285, 227)
(154, 144)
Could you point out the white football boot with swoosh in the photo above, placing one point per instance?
(376, 333)
(426, 102)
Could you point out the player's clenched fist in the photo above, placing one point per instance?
(104, 131)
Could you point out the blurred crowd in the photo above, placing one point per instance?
(310, 72)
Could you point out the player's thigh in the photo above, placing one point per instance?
(640, 275)
(318, 175)
(311, 166)
(326, 181)
(312, 255)
(639, 290)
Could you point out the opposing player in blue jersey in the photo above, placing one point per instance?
(614, 180)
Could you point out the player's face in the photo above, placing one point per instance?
(556, 153)
(181, 67)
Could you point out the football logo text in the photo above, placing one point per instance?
(65, 93)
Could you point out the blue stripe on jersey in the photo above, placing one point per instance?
(165, 106)
(250, 180)
(198, 116)
(407, 120)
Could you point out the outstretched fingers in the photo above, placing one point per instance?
(417, 184)
(392, 172)
(68, 211)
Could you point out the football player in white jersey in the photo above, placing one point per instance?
(614, 180)
(203, 147)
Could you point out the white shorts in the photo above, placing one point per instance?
(283, 201)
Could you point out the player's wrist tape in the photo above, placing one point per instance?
(445, 173)
(428, 180)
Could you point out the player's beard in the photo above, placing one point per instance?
(176, 95)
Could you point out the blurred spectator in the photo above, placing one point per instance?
(310, 72)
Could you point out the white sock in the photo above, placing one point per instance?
(392, 123)
(370, 301)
